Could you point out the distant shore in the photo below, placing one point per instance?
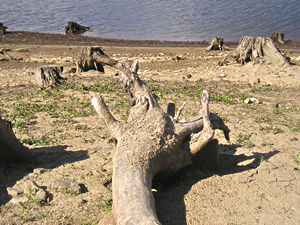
(27, 37)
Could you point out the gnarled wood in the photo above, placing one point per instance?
(75, 28)
(259, 48)
(217, 43)
(48, 76)
(11, 149)
(278, 37)
(150, 142)
(87, 59)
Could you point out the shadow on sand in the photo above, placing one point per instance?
(46, 157)
(169, 200)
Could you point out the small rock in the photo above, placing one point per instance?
(18, 199)
(274, 105)
(188, 76)
(13, 192)
(30, 187)
(247, 101)
(39, 171)
(41, 195)
(68, 185)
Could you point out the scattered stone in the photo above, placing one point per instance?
(188, 76)
(18, 199)
(67, 185)
(13, 192)
(41, 195)
(177, 58)
(274, 105)
(247, 101)
(30, 187)
(39, 171)
(251, 100)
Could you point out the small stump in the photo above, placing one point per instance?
(2, 29)
(278, 37)
(217, 43)
(75, 28)
(49, 76)
(88, 59)
(258, 48)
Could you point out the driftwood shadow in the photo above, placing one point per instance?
(44, 157)
(169, 198)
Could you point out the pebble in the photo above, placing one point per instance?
(13, 192)
(67, 184)
(18, 199)
(41, 195)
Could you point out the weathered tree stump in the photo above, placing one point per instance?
(278, 37)
(87, 59)
(217, 43)
(48, 76)
(75, 28)
(150, 142)
(11, 149)
(2, 28)
(259, 48)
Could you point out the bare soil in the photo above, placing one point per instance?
(259, 177)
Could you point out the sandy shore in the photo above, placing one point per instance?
(259, 177)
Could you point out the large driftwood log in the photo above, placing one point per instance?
(217, 43)
(48, 76)
(11, 149)
(87, 59)
(150, 142)
(259, 48)
(278, 37)
(75, 28)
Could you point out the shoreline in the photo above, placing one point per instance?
(27, 37)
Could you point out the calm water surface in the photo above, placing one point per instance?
(185, 20)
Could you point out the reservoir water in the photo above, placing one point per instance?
(177, 20)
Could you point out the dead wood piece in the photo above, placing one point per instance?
(258, 49)
(278, 37)
(75, 28)
(11, 149)
(87, 59)
(48, 76)
(2, 29)
(150, 142)
(217, 43)
(4, 52)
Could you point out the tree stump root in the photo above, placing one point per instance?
(150, 142)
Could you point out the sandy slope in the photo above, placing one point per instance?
(259, 179)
